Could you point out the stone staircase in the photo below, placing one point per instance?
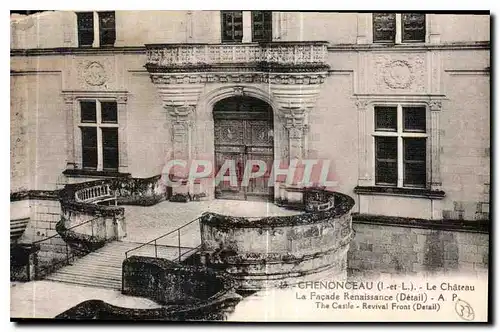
(103, 267)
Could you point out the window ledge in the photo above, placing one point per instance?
(91, 173)
(396, 191)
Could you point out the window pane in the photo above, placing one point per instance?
(109, 112)
(384, 27)
(414, 162)
(387, 173)
(107, 30)
(110, 148)
(386, 148)
(232, 26)
(386, 118)
(261, 25)
(88, 111)
(386, 166)
(85, 28)
(414, 119)
(413, 27)
(414, 149)
(89, 147)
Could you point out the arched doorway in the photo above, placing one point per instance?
(244, 131)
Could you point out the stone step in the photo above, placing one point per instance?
(86, 282)
(92, 269)
(103, 267)
(79, 276)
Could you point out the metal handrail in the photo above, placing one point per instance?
(69, 255)
(188, 252)
(178, 230)
(72, 227)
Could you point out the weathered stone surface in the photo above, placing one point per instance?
(416, 250)
(278, 251)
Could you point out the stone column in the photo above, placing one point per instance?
(295, 123)
(179, 94)
(70, 131)
(435, 108)
(182, 124)
(296, 126)
(181, 130)
(363, 174)
(121, 104)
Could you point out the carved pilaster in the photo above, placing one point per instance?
(435, 107)
(180, 117)
(364, 175)
(70, 130)
(121, 102)
(296, 124)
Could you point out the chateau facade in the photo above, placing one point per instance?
(398, 103)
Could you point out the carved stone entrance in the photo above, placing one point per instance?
(192, 78)
(243, 132)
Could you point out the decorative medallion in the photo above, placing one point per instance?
(387, 73)
(398, 74)
(94, 74)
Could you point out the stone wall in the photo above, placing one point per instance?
(59, 29)
(279, 251)
(383, 249)
(43, 216)
(169, 283)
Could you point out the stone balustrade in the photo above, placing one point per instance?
(95, 194)
(280, 53)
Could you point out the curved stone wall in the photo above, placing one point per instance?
(280, 251)
(107, 222)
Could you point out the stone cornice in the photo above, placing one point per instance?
(376, 47)
(480, 45)
(479, 226)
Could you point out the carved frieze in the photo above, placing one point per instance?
(398, 73)
(243, 77)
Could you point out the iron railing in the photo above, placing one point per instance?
(42, 270)
(179, 246)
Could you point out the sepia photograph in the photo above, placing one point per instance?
(250, 165)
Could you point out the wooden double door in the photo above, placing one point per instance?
(243, 132)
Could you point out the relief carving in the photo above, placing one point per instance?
(398, 74)
(302, 79)
(361, 104)
(94, 74)
(435, 105)
(402, 72)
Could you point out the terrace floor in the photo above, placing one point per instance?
(146, 223)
